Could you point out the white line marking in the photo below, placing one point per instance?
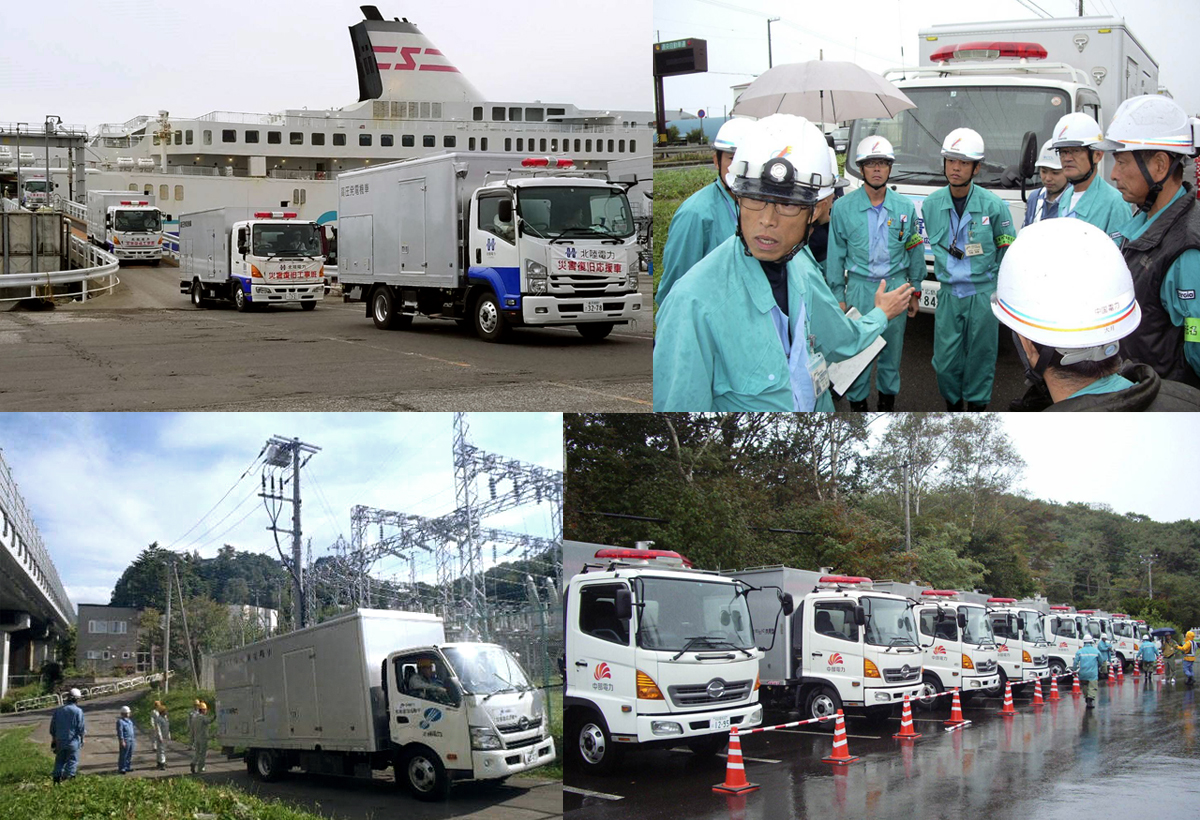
(587, 793)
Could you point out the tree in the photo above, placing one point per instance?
(694, 136)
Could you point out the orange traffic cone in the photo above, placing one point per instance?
(906, 723)
(1137, 669)
(1054, 689)
(1008, 710)
(955, 711)
(841, 747)
(1075, 690)
(1158, 670)
(1112, 673)
(1037, 692)
(1120, 671)
(735, 771)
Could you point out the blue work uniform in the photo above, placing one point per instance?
(1101, 205)
(1112, 383)
(869, 244)
(966, 336)
(125, 744)
(723, 344)
(68, 729)
(1179, 288)
(1148, 652)
(1040, 207)
(1087, 662)
(704, 220)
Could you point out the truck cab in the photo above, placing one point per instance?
(959, 647)
(128, 226)
(277, 259)
(1124, 640)
(34, 191)
(463, 711)
(1022, 650)
(658, 654)
(1064, 629)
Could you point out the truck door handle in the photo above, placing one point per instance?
(581, 663)
(817, 655)
(401, 719)
(478, 256)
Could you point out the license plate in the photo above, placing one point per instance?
(929, 296)
(291, 296)
(593, 307)
(531, 756)
(720, 724)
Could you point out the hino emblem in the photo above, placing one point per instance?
(715, 689)
(904, 670)
(1080, 41)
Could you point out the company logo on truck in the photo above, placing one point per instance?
(430, 717)
(1002, 649)
(939, 650)
(835, 662)
(602, 671)
(1062, 645)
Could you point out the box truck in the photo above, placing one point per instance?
(472, 238)
(127, 224)
(1011, 82)
(846, 645)
(658, 654)
(251, 257)
(374, 689)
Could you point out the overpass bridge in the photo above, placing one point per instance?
(34, 608)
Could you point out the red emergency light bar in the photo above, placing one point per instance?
(274, 215)
(135, 203)
(939, 593)
(843, 579)
(1001, 600)
(1061, 608)
(1119, 615)
(546, 162)
(1086, 611)
(641, 555)
(982, 50)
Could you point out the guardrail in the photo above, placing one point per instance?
(56, 698)
(97, 264)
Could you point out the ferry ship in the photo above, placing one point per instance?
(412, 102)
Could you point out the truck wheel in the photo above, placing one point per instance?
(708, 745)
(1057, 667)
(239, 297)
(930, 687)
(264, 764)
(154, 262)
(384, 311)
(823, 703)
(198, 299)
(997, 691)
(425, 775)
(594, 331)
(592, 746)
(489, 321)
(308, 305)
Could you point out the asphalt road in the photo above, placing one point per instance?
(341, 798)
(144, 347)
(1135, 754)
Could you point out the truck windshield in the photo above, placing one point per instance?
(1125, 630)
(278, 239)
(1001, 114)
(705, 614)
(145, 221)
(1095, 628)
(978, 630)
(889, 622)
(485, 670)
(36, 186)
(1031, 625)
(569, 211)
(1063, 627)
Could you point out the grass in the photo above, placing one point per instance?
(26, 792)
(671, 188)
(179, 705)
(9, 702)
(554, 717)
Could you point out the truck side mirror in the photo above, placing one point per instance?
(1029, 154)
(860, 616)
(241, 242)
(624, 604)
(962, 620)
(505, 213)
(788, 604)
(108, 220)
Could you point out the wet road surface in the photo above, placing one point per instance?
(1136, 751)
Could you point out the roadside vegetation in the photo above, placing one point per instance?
(179, 706)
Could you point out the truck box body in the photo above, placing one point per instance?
(204, 238)
(317, 687)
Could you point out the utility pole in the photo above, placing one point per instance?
(770, 20)
(187, 635)
(284, 453)
(907, 519)
(50, 128)
(1149, 560)
(167, 640)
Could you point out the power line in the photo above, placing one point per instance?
(222, 519)
(222, 498)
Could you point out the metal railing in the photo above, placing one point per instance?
(56, 698)
(96, 264)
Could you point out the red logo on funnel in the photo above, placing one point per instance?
(835, 658)
(602, 671)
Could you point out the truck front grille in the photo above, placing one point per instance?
(585, 284)
(715, 691)
(513, 728)
(985, 667)
(900, 675)
(521, 744)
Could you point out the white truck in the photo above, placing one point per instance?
(657, 654)
(127, 224)
(252, 257)
(1064, 629)
(469, 237)
(372, 689)
(1125, 637)
(1021, 646)
(1011, 82)
(959, 649)
(33, 193)
(847, 644)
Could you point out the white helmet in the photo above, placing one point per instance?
(1075, 130)
(733, 131)
(124, 710)
(963, 143)
(75, 694)
(874, 148)
(1087, 637)
(1046, 295)
(784, 159)
(1049, 157)
(1152, 123)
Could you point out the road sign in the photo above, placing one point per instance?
(674, 57)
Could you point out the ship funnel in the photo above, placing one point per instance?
(396, 62)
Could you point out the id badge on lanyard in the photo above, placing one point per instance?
(818, 373)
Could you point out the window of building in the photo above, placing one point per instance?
(408, 140)
(251, 137)
(429, 141)
(339, 139)
(318, 139)
(542, 144)
(124, 656)
(133, 187)
(386, 140)
(179, 193)
(498, 113)
(179, 138)
(633, 146)
(577, 148)
(483, 143)
(364, 139)
(163, 191)
(157, 141)
(555, 112)
(98, 627)
(508, 143)
(470, 143)
(228, 135)
(187, 137)
(514, 114)
(477, 113)
(425, 111)
(296, 138)
(621, 146)
(520, 144)
(554, 145)
(93, 654)
(274, 138)
(208, 137)
(449, 141)
(598, 614)
(589, 146)
(610, 146)
(534, 114)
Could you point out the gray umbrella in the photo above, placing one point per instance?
(822, 91)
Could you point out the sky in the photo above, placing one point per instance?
(92, 62)
(102, 487)
(871, 33)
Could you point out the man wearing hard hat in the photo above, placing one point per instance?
(706, 218)
(873, 238)
(969, 229)
(67, 730)
(1153, 138)
(1072, 320)
(1087, 666)
(1043, 203)
(752, 325)
(1089, 197)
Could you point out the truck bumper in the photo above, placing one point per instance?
(503, 762)
(976, 684)
(695, 724)
(887, 695)
(126, 254)
(569, 310)
(1031, 672)
(285, 294)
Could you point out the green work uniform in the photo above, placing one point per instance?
(966, 335)
(867, 245)
(704, 220)
(1101, 205)
(1179, 288)
(718, 345)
